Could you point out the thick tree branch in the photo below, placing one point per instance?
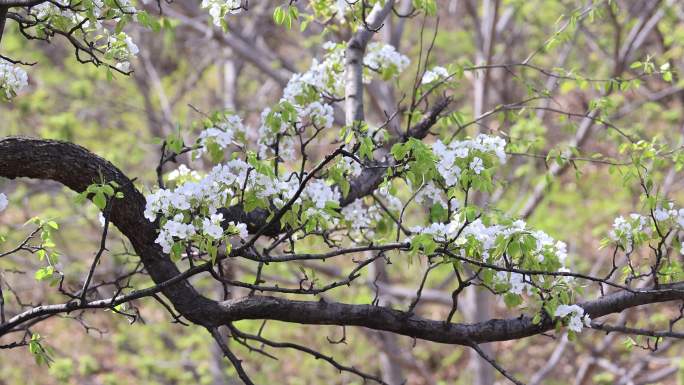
(20, 3)
(76, 168)
(399, 322)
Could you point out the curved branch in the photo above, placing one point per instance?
(77, 168)
(400, 322)
(20, 3)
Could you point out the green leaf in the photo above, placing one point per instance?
(366, 148)
(536, 319)
(512, 300)
(108, 190)
(215, 152)
(278, 15)
(424, 242)
(44, 273)
(438, 213)
(470, 213)
(399, 151)
(176, 251)
(100, 200)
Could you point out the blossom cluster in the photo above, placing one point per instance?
(189, 209)
(474, 155)
(342, 7)
(508, 246)
(458, 158)
(360, 218)
(183, 173)
(61, 8)
(626, 229)
(322, 77)
(327, 76)
(435, 74)
(384, 58)
(115, 45)
(577, 317)
(221, 133)
(429, 194)
(487, 238)
(669, 214)
(516, 281)
(218, 9)
(304, 101)
(193, 204)
(13, 79)
(633, 230)
(122, 48)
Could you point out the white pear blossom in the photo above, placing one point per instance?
(124, 5)
(380, 56)
(319, 114)
(116, 45)
(393, 203)
(320, 193)
(13, 79)
(241, 229)
(490, 144)
(663, 214)
(486, 236)
(360, 216)
(222, 133)
(351, 166)
(436, 73)
(680, 218)
(624, 229)
(341, 8)
(122, 48)
(441, 232)
(268, 135)
(183, 172)
(517, 282)
(578, 319)
(430, 194)
(476, 165)
(466, 154)
(133, 49)
(219, 8)
(327, 76)
(445, 164)
(48, 9)
(212, 226)
(172, 229)
(224, 181)
(123, 66)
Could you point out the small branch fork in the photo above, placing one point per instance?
(317, 355)
(234, 360)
